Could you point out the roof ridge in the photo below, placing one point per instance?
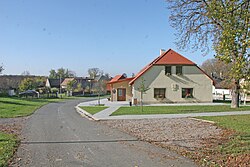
(174, 58)
(148, 66)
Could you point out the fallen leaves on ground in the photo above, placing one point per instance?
(194, 139)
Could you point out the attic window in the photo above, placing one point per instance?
(178, 70)
(168, 70)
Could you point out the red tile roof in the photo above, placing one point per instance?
(174, 58)
(116, 78)
(121, 80)
(169, 57)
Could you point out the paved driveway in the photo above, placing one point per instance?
(55, 135)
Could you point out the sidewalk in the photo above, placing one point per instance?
(113, 106)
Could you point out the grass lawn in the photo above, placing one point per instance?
(18, 107)
(8, 144)
(241, 124)
(93, 109)
(136, 110)
(11, 107)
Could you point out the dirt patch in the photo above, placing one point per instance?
(12, 125)
(191, 138)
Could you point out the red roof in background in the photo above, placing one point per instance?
(169, 57)
(121, 80)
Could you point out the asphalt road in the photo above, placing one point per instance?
(56, 135)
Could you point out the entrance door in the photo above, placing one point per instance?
(121, 94)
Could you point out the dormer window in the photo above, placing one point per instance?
(178, 70)
(168, 70)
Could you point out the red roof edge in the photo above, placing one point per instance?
(121, 80)
(147, 67)
(116, 78)
(214, 82)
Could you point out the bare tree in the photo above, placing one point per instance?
(107, 75)
(216, 68)
(142, 89)
(1, 69)
(101, 89)
(223, 23)
(25, 73)
(94, 72)
(219, 71)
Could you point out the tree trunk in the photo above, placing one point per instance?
(235, 95)
(141, 102)
(99, 99)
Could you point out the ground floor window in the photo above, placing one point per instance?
(187, 93)
(159, 92)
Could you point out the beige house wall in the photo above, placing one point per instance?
(124, 84)
(192, 77)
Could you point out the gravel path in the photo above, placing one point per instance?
(183, 132)
(183, 135)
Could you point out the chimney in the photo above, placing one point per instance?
(162, 51)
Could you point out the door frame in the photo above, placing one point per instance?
(123, 96)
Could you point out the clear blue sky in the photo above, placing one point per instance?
(116, 36)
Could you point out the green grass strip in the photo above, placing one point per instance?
(18, 107)
(136, 110)
(8, 144)
(241, 124)
(93, 109)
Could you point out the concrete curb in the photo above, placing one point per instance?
(105, 114)
(85, 114)
(187, 115)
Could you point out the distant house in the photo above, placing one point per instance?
(170, 78)
(65, 83)
(100, 82)
(220, 93)
(101, 78)
(9, 84)
(53, 83)
(82, 82)
(221, 89)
